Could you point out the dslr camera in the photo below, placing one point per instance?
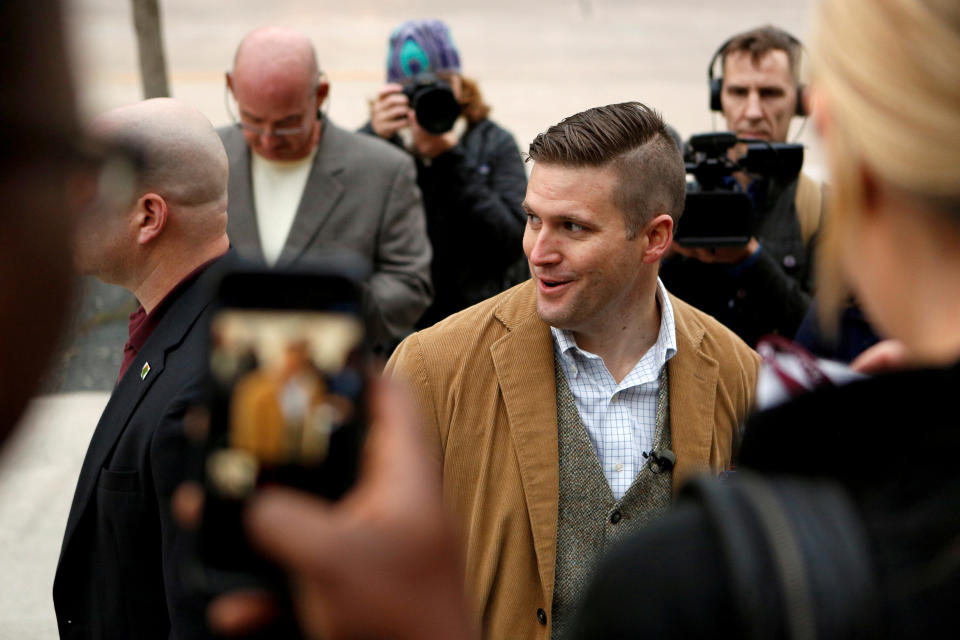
(717, 212)
(432, 99)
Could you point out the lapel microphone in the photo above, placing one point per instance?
(661, 460)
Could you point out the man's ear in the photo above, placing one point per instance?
(229, 77)
(152, 215)
(323, 90)
(659, 235)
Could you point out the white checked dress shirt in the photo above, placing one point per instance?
(620, 418)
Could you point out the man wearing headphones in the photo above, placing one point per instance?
(765, 285)
(299, 184)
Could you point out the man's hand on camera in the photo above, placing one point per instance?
(390, 111)
(718, 255)
(382, 562)
(427, 144)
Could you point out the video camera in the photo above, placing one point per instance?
(717, 213)
(433, 101)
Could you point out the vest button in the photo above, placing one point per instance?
(615, 517)
(542, 617)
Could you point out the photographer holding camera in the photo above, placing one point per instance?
(468, 168)
(762, 285)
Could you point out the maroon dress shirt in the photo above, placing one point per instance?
(142, 323)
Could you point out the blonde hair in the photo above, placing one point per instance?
(890, 70)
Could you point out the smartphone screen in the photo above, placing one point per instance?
(286, 407)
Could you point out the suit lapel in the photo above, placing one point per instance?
(241, 219)
(693, 395)
(523, 360)
(128, 395)
(124, 399)
(320, 195)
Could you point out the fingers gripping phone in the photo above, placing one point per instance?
(286, 402)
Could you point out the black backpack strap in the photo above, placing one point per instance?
(796, 553)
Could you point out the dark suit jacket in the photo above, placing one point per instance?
(118, 575)
(361, 195)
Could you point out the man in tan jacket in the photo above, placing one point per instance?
(565, 411)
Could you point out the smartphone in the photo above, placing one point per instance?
(286, 405)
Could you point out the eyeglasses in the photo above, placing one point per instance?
(279, 131)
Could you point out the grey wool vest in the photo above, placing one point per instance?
(589, 520)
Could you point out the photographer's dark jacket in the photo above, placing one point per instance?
(472, 196)
(770, 291)
(119, 571)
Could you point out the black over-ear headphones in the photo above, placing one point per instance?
(716, 83)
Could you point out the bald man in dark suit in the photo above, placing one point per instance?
(119, 569)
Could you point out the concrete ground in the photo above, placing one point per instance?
(536, 61)
(38, 471)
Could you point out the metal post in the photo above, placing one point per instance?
(153, 66)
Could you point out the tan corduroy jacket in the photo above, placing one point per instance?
(484, 380)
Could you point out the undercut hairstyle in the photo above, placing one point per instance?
(761, 41)
(632, 139)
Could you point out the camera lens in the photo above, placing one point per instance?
(433, 101)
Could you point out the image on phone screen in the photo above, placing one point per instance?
(287, 408)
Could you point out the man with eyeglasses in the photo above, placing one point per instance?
(300, 185)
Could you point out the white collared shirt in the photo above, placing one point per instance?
(620, 418)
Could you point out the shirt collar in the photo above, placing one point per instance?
(142, 324)
(283, 166)
(663, 349)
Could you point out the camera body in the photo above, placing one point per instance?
(433, 101)
(716, 212)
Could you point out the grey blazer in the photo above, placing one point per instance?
(361, 195)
